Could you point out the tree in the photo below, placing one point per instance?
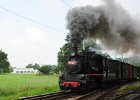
(45, 69)
(63, 55)
(56, 70)
(34, 66)
(11, 69)
(4, 63)
(29, 66)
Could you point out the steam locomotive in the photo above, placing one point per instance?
(90, 70)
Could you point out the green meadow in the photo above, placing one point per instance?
(13, 86)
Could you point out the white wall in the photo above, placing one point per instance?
(24, 71)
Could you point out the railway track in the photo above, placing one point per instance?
(63, 95)
(95, 95)
(99, 94)
(85, 96)
(52, 96)
(131, 95)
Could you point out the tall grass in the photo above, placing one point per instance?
(18, 85)
(128, 87)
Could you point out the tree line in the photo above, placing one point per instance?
(62, 57)
(4, 63)
(44, 69)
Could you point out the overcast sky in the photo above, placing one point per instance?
(26, 41)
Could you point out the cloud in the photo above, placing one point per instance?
(26, 44)
(34, 34)
(87, 2)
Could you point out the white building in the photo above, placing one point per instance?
(24, 70)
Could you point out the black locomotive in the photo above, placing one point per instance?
(89, 70)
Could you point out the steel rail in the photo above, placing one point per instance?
(86, 95)
(126, 94)
(50, 96)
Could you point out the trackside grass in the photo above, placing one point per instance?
(13, 86)
(128, 87)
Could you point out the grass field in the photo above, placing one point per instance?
(19, 85)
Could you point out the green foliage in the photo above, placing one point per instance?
(63, 55)
(45, 69)
(11, 69)
(53, 67)
(56, 70)
(29, 66)
(34, 66)
(4, 63)
(128, 87)
(67, 37)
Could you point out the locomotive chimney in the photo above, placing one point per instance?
(74, 48)
(83, 45)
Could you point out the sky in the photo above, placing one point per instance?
(32, 31)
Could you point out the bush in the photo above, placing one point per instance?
(45, 69)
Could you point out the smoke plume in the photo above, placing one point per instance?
(110, 23)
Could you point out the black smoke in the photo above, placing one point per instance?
(110, 23)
